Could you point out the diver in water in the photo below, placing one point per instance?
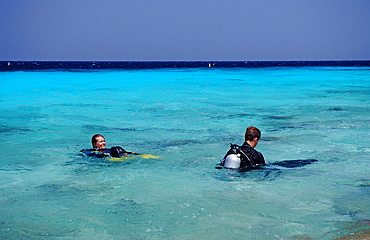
(100, 150)
(245, 156)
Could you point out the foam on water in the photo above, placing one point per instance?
(188, 117)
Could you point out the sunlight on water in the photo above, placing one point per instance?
(188, 117)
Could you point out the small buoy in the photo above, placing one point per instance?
(209, 65)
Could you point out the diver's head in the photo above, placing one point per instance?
(98, 141)
(252, 136)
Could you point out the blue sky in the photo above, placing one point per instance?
(188, 30)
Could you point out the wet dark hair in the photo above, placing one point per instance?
(93, 139)
(252, 133)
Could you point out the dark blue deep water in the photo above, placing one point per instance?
(78, 65)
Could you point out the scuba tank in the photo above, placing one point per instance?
(117, 151)
(233, 160)
(235, 157)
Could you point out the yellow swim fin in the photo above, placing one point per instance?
(146, 156)
(125, 157)
(116, 159)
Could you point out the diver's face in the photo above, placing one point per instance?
(100, 142)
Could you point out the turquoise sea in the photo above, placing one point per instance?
(188, 117)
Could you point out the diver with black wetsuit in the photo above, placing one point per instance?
(245, 155)
(99, 150)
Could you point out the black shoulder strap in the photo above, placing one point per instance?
(247, 158)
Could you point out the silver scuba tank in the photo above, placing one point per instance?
(232, 161)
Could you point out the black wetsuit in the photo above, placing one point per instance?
(250, 158)
(105, 152)
(96, 152)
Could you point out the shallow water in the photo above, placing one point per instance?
(188, 117)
